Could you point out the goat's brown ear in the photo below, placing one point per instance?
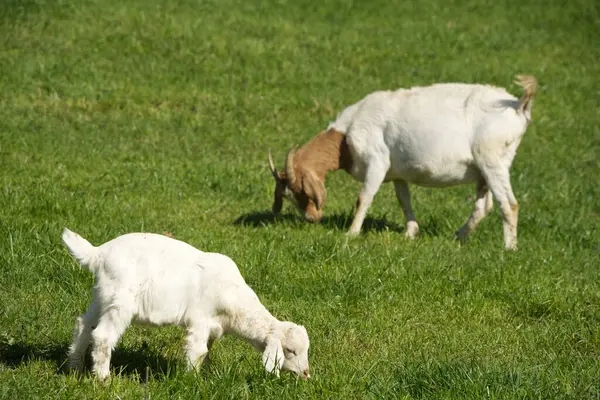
(278, 200)
(314, 189)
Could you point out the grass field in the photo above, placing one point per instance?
(149, 115)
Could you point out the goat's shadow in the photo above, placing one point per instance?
(263, 218)
(336, 221)
(341, 221)
(132, 363)
(13, 355)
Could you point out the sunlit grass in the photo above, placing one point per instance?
(157, 116)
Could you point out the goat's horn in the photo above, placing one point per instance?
(289, 166)
(272, 167)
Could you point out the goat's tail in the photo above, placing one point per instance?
(529, 85)
(81, 249)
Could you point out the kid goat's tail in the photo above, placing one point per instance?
(529, 85)
(81, 249)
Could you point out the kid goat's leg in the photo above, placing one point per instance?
(483, 205)
(199, 341)
(215, 334)
(498, 180)
(111, 326)
(374, 177)
(81, 336)
(403, 195)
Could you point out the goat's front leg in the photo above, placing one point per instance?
(199, 341)
(81, 336)
(403, 195)
(374, 177)
(498, 180)
(483, 206)
(216, 332)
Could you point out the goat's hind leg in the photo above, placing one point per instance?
(81, 336)
(111, 326)
(403, 195)
(483, 205)
(498, 180)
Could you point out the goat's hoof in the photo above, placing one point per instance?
(75, 365)
(411, 233)
(352, 234)
(462, 239)
(102, 376)
(461, 235)
(412, 230)
(75, 371)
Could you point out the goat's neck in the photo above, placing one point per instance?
(253, 325)
(328, 151)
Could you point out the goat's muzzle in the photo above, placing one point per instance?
(312, 215)
(305, 375)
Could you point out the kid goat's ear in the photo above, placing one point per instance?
(272, 357)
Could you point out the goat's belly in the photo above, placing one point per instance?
(435, 174)
(158, 313)
(158, 319)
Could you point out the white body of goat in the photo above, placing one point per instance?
(435, 136)
(153, 279)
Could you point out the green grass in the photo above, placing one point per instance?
(148, 115)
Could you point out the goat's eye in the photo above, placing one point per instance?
(290, 351)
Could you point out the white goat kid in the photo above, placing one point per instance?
(153, 279)
(435, 136)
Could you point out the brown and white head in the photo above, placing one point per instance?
(299, 184)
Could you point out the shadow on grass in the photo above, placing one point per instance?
(14, 354)
(336, 221)
(263, 218)
(130, 363)
(344, 221)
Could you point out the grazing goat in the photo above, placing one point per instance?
(153, 279)
(435, 136)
